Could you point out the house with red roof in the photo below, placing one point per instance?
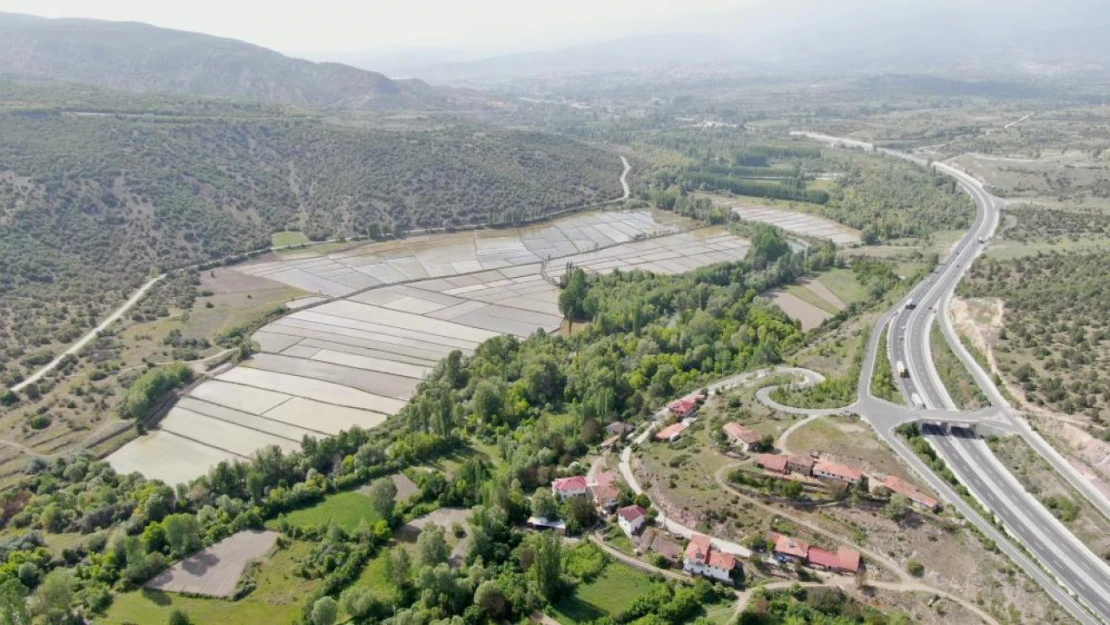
(773, 463)
(742, 437)
(672, 432)
(570, 487)
(702, 558)
(631, 519)
(835, 471)
(686, 407)
(788, 548)
(844, 560)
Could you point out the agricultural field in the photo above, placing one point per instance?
(215, 571)
(357, 360)
(347, 510)
(277, 600)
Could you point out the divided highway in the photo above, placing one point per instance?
(1075, 576)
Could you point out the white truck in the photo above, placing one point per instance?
(901, 367)
(916, 399)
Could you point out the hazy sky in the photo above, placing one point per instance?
(299, 26)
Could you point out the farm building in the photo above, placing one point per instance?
(845, 560)
(789, 549)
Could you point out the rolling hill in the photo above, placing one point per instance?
(135, 57)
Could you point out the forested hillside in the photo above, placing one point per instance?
(136, 57)
(90, 204)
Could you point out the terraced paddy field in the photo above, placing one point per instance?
(356, 358)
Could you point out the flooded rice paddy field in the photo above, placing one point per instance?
(390, 312)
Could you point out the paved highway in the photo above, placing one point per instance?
(1072, 563)
(1069, 563)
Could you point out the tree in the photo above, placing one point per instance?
(383, 496)
(397, 567)
(543, 504)
(431, 546)
(544, 553)
(324, 611)
(491, 599)
(53, 599)
(182, 533)
(13, 604)
(572, 299)
(359, 602)
(487, 402)
(179, 617)
(897, 508)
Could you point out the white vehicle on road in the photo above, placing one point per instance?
(916, 399)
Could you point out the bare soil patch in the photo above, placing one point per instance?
(809, 315)
(215, 571)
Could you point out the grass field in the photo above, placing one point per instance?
(276, 601)
(348, 510)
(374, 578)
(610, 593)
(843, 284)
(811, 298)
(288, 237)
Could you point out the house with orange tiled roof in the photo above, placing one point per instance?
(702, 558)
(773, 463)
(836, 471)
(672, 432)
(742, 437)
(789, 548)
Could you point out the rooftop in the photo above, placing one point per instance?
(772, 462)
(739, 432)
(631, 513)
(671, 431)
(564, 484)
(838, 470)
(788, 545)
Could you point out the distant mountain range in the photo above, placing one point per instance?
(130, 56)
(976, 39)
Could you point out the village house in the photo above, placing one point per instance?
(789, 549)
(605, 496)
(671, 433)
(742, 437)
(773, 463)
(569, 487)
(631, 519)
(898, 486)
(845, 560)
(687, 407)
(702, 558)
(800, 464)
(839, 472)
